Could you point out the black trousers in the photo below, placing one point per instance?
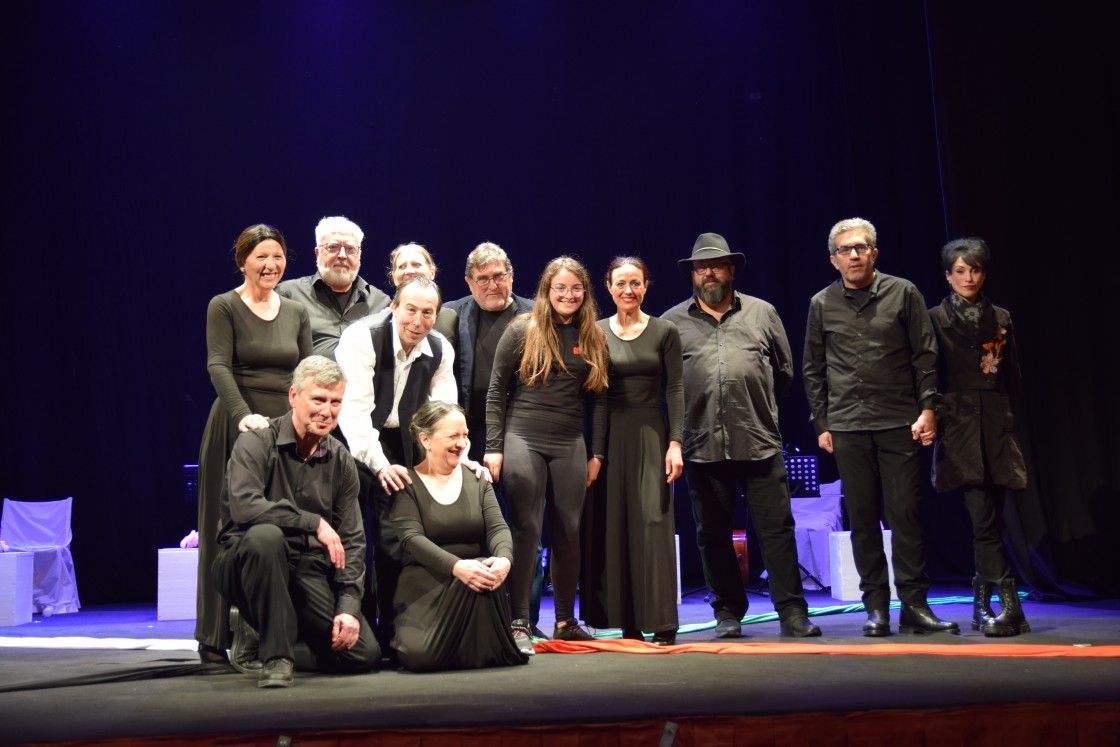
(285, 591)
(985, 506)
(714, 488)
(879, 471)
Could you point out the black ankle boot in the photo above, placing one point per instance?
(1010, 620)
(981, 602)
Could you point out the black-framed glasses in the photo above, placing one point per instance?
(485, 280)
(859, 249)
(714, 268)
(333, 249)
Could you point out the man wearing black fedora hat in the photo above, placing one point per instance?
(737, 363)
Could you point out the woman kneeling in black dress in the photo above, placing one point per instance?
(457, 550)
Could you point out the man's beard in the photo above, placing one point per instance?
(713, 294)
(341, 275)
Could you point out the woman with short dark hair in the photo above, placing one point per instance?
(976, 450)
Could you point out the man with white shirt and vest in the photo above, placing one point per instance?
(394, 363)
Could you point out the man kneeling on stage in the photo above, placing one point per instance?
(292, 543)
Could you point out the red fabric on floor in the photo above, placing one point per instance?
(629, 646)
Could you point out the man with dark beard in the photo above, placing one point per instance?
(335, 296)
(737, 363)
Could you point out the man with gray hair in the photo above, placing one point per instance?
(292, 557)
(483, 317)
(870, 374)
(335, 296)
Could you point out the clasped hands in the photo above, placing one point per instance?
(481, 575)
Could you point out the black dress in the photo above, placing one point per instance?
(629, 562)
(250, 360)
(440, 622)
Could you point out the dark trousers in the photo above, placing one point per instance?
(985, 506)
(715, 488)
(284, 589)
(879, 471)
(539, 462)
(383, 549)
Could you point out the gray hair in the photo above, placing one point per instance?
(421, 281)
(484, 254)
(337, 224)
(321, 370)
(851, 224)
(430, 415)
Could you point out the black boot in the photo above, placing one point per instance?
(918, 619)
(981, 602)
(1010, 620)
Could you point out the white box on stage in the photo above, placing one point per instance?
(178, 581)
(17, 573)
(845, 579)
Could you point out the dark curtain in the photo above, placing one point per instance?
(142, 137)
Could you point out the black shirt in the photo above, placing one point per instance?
(268, 482)
(869, 364)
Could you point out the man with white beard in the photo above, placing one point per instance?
(335, 296)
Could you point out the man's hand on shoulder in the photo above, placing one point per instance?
(394, 478)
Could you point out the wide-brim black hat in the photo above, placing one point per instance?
(711, 246)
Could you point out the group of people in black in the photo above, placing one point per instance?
(433, 440)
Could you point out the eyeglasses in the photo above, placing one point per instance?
(859, 249)
(563, 290)
(333, 249)
(485, 280)
(719, 267)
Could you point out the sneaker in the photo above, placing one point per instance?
(244, 650)
(278, 672)
(571, 631)
(537, 633)
(522, 636)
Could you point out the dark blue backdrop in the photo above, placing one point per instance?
(141, 137)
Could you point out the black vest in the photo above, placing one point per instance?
(416, 388)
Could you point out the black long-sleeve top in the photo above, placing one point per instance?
(870, 359)
(558, 404)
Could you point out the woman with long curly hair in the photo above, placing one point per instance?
(549, 362)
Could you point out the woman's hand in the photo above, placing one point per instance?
(493, 462)
(480, 472)
(252, 422)
(499, 567)
(593, 465)
(475, 575)
(674, 464)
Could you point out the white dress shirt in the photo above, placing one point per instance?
(357, 357)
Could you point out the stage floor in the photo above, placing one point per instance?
(835, 673)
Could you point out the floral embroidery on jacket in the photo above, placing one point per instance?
(993, 352)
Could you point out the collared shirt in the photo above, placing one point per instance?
(357, 357)
(735, 369)
(870, 359)
(268, 482)
(328, 317)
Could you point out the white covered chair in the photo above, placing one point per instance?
(815, 519)
(43, 527)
